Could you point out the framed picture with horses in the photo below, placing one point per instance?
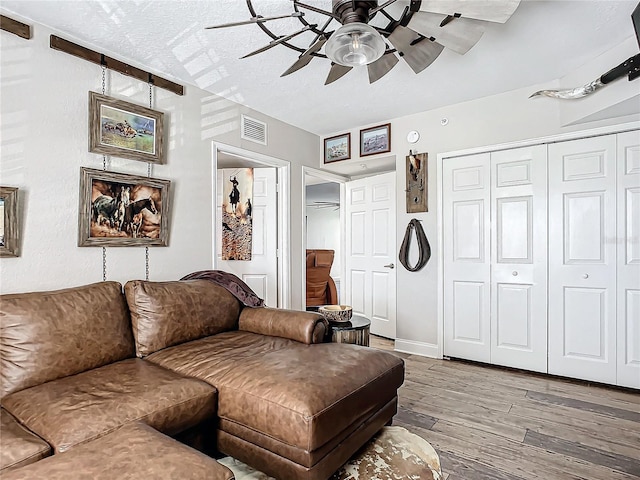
(124, 129)
(121, 210)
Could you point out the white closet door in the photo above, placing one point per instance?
(582, 259)
(628, 265)
(466, 205)
(519, 258)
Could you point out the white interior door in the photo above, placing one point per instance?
(519, 258)
(466, 205)
(261, 273)
(628, 264)
(370, 283)
(582, 259)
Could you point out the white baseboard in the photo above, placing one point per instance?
(417, 348)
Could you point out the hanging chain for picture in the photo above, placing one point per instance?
(104, 89)
(104, 167)
(104, 264)
(146, 249)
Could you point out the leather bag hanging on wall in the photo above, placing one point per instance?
(424, 249)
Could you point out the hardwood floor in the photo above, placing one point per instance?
(490, 423)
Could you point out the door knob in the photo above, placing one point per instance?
(391, 266)
(514, 273)
(586, 275)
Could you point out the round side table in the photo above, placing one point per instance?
(355, 331)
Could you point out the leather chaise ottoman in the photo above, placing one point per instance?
(135, 451)
(292, 410)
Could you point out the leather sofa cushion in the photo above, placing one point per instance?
(133, 451)
(302, 395)
(74, 410)
(168, 313)
(49, 335)
(19, 446)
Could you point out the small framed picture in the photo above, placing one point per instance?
(337, 148)
(375, 140)
(125, 130)
(9, 222)
(122, 210)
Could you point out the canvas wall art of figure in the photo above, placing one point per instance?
(237, 225)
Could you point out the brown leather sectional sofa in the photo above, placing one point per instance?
(79, 365)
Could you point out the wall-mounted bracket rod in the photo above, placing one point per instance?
(76, 50)
(13, 26)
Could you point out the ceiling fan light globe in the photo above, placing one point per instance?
(354, 45)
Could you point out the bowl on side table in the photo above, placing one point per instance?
(336, 313)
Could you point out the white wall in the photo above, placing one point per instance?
(323, 231)
(43, 144)
(502, 118)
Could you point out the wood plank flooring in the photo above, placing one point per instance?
(490, 423)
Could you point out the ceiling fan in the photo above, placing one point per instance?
(369, 34)
(322, 204)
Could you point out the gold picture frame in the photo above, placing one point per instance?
(125, 130)
(121, 210)
(9, 238)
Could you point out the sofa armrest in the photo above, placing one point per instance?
(304, 327)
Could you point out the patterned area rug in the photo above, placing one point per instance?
(393, 454)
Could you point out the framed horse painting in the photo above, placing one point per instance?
(124, 129)
(122, 210)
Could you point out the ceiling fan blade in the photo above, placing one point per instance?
(489, 10)
(458, 35)
(420, 55)
(337, 71)
(381, 7)
(317, 10)
(280, 40)
(255, 20)
(381, 67)
(306, 57)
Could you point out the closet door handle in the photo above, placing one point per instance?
(514, 273)
(391, 266)
(585, 276)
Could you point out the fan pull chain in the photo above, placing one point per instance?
(104, 264)
(104, 167)
(146, 249)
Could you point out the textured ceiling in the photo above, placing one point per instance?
(543, 41)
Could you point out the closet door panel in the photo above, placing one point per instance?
(582, 259)
(519, 258)
(628, 259)
(466, 205)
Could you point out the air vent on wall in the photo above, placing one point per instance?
(254, 130)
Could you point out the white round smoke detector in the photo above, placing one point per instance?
(413, 136)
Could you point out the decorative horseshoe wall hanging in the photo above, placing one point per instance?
(416, 183)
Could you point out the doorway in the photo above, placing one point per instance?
(365, 277)
(268, 271)
(323, 224)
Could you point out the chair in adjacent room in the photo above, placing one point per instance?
(321, 289)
